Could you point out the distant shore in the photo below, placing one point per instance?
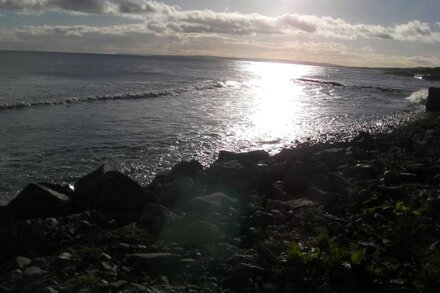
(353, 216)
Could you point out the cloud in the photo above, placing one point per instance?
(110, 7)
(163, 18)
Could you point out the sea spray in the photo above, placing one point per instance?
(418, 97)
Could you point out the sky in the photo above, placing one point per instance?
(373, 33)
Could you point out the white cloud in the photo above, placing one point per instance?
(172, 19)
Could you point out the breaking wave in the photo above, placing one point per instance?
(206, 85)
(418, 97)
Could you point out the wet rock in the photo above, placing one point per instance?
(38, 201)
(254, 156)
(202, 233)
(106, 189)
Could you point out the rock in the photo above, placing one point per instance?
(433, 102)
(315, 194)
(186, 188)
(33, 272)
(38, 201)
(211, 203)
(28, 238)
(331, 157)
(191, 169)
(105, 189)
(202, 233)
(275, 171)
(296, 178)
(156, 262)
(254, 156)
(408, 177)
(391, 177)
(365, 170)
(154, 216)
(6, 216)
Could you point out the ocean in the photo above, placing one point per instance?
(62, 115)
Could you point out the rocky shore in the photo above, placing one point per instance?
(357, 216)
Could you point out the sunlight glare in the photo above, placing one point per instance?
(277, 98)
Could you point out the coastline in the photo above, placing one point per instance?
(340, 216)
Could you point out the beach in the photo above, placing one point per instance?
(343, 216)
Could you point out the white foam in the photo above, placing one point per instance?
(418, 97)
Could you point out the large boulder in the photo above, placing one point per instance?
(433, 102)
(38, 201)
(106, 189)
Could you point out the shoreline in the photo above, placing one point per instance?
(353, 216)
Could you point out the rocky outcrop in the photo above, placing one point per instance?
(356, 216)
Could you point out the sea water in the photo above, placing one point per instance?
(62, 115)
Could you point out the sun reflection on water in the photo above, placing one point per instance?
(276, 105)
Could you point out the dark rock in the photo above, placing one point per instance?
(276, 171)
(6, 216)
(296, 178)
(391, 178)
(202, 233)
(38, 201)
(105, 189)
(191, 169)
(154, 216)
(331, 157)
(234, 176)
(28, 238)
(433, 102)
(211, 203)
(365, 170)
(33, 272)
(254, 156)
(323, 197)
(408, 177)
(157, 262)
(63, 189)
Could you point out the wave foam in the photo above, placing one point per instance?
(418, 97)
(206, 85)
